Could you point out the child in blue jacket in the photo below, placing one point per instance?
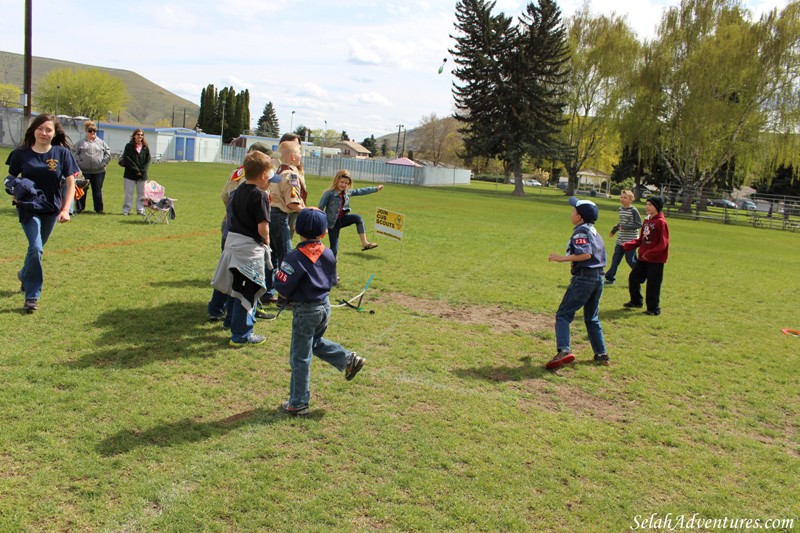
(305, 278)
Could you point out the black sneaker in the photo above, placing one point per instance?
(653, 313)
(264, 316)
(602, 359)
(562, 358)
(31, 306)
(609, 283)
(301, 410)
(213, 318)
(632, 305)
(355, 364)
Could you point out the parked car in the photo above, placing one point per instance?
(562, 185)
(532, 183)
(749, 205)
(722, 202)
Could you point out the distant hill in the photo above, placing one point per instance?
(148, 104)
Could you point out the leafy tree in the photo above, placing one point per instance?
(511, 89)
(80, 92)
(385, 148)
(344, 136)
(268, 123)
(227, 104)
(9, 95)
(439, 139)
(303, 132)
(786, 181)
(715, 87)
(370, 144)
(603, 54)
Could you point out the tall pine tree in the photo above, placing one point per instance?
(511, 85)
(268, 123)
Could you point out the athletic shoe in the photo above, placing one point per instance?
(268, 298)
(562, 358)
(355, 364)
(251, 340)
(264, 316)
(609, 283)
(30, 306)
(652, 313)
(301, 410)
(631, 305)
(602, 359)
(214, 318)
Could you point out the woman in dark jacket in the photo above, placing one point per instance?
(136, 160)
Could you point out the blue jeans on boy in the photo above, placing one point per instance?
(585, 289)
(280, 241)
(37, 229)
(630, 257)
(241, 321)
(343, 222)
(308, 326)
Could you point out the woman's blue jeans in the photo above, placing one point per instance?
(37, 229)
(583, 291)
(309, 323)
(343, 222)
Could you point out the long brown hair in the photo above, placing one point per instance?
(59, 139)
(133, 137)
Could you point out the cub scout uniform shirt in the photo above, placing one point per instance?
(287, 191)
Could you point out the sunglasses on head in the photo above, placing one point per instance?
(91, 130)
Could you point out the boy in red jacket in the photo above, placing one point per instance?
(653, 244)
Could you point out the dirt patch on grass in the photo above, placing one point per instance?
(556, 398)
(496, 317)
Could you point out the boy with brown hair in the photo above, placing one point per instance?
(241, 269)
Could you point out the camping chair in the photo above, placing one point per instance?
(157, 207)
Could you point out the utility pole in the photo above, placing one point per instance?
(28, 61)
(397, 147)
(221, 132)
(404, 142)
(172, 124)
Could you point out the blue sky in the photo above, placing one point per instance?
(361, 66)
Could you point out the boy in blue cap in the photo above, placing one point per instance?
(305, 278)
(587, 253)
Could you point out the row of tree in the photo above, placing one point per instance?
(224, 111)
(714, 96)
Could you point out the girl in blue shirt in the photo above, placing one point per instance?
(47, 169)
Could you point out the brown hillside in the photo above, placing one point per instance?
(149, 103)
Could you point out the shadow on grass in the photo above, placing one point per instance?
(136, 337)
(527, 370)
(185, 284)
(188, 430)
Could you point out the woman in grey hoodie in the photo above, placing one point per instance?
(92, 155)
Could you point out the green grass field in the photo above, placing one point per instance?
(122, 409)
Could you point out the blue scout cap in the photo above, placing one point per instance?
(585, 208)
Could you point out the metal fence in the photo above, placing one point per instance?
(766, 211)
(377, 171)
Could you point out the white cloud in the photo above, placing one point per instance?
(372, 99)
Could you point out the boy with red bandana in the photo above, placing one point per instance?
(305, 278)
(653, 244)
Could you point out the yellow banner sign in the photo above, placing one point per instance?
(389, 223)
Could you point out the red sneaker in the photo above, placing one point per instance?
(562, 358)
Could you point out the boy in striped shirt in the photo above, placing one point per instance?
(626, 230)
